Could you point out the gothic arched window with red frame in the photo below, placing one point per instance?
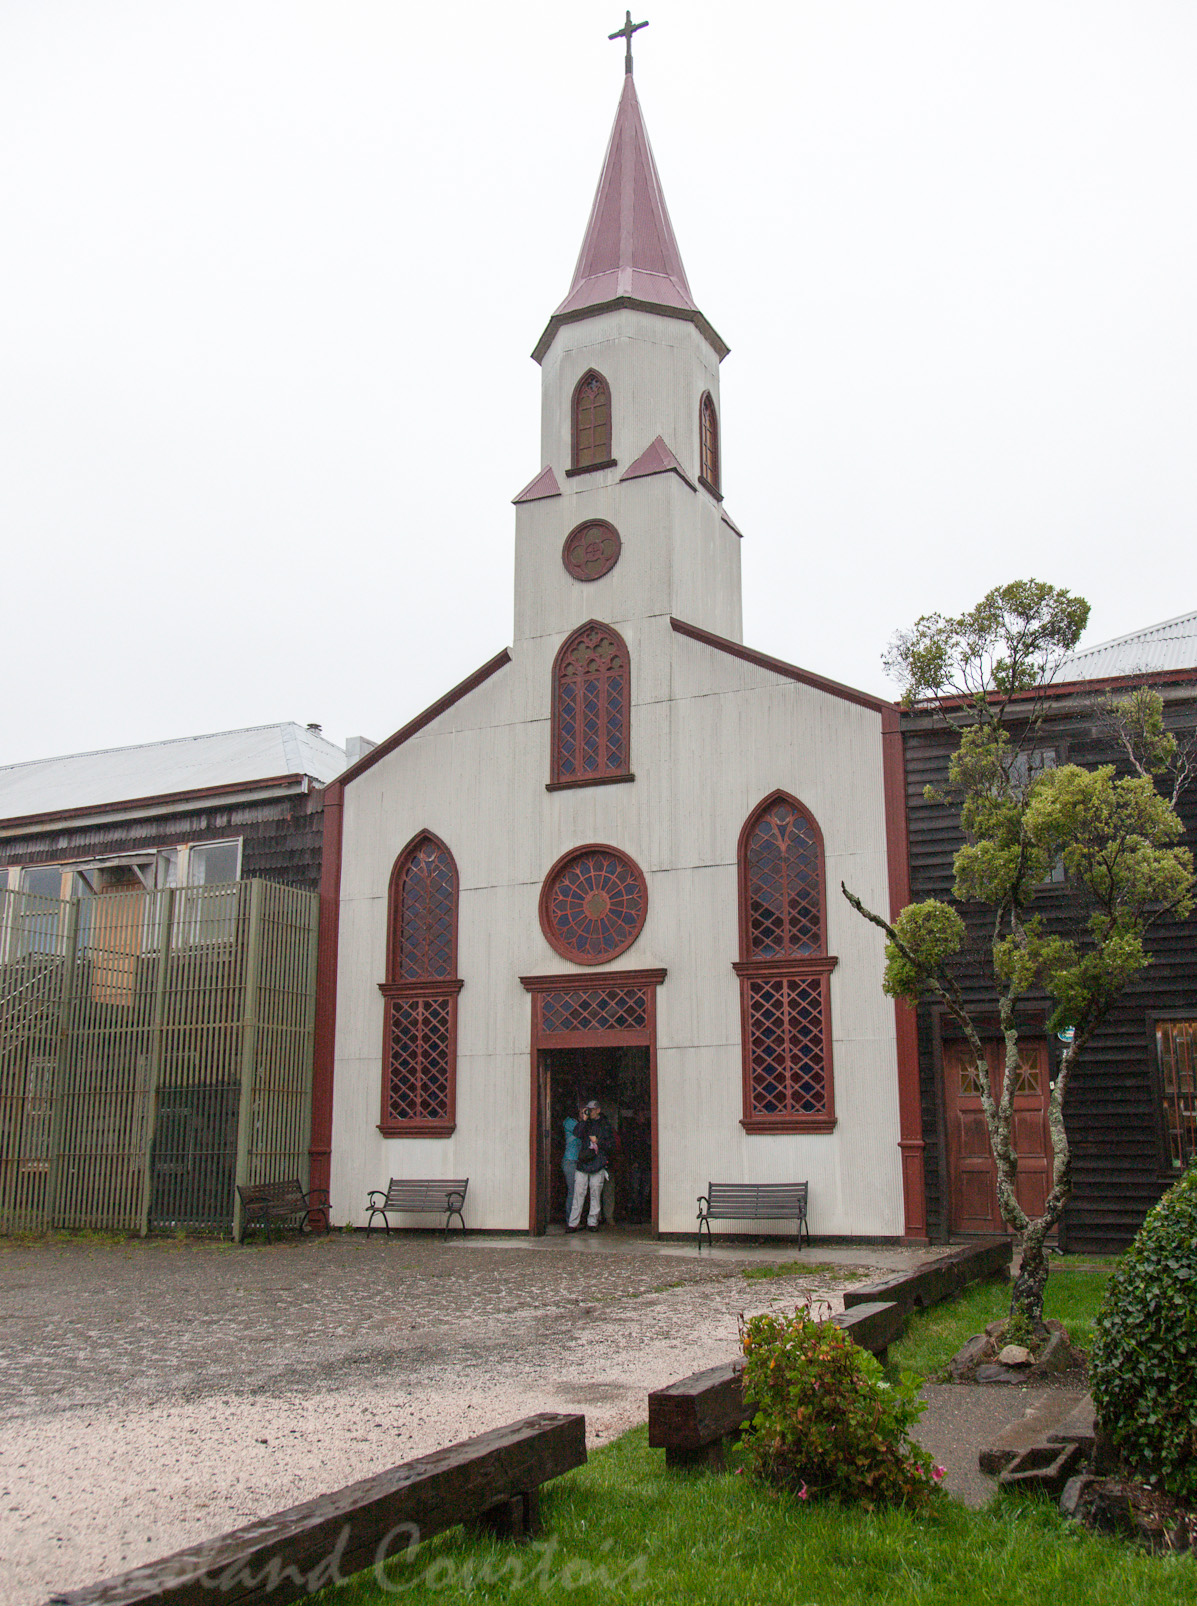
(591, 708)
(591, 434)
(708, 444)
(419, 1040)
(785, 971)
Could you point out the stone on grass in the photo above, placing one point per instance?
(1014, 1355)
(1001, 1374)
(969, 1355)
(1057, 1355)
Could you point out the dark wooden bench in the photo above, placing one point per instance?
(265, 1202)
(690, 1419)
(753, 1201)
(420, 1194)
(493, 1481)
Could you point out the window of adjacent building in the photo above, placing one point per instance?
(708, 434)
(213, 864)
(1176, 1047)
(784, 971)
(419, 1046)
(591, 422)
(591, 707)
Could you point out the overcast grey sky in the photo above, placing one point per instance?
(266, 264)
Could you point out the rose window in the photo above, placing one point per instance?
(592, 550)
(593, 905)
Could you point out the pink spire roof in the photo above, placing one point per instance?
(629, 254)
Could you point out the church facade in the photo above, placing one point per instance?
(608, 864)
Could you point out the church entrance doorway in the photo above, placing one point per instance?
(595, 1036)
(619, 1079)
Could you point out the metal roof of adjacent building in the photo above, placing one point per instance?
(1169, 645)
(79, 781)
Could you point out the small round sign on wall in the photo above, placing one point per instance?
(591, 550)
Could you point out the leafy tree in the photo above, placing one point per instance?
(1114, 835)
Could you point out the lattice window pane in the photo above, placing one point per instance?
(591, 693)
(418, 1063)
(788, 1069)
(784, 885)
(607, 1009)
(424, 938)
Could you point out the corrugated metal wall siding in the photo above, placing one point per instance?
(155, 1048)
(281, 838)
(1112, 1112)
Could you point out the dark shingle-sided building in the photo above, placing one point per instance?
(192, 811)
(1131, 1110)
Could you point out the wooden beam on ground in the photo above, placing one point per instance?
(933, 1280)
(688, 1420)
(874, 1326)
(493, 1478)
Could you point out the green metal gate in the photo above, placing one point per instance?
(155, 1050)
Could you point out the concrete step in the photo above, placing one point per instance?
(1048, 1411)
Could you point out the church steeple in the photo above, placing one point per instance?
(629, 255)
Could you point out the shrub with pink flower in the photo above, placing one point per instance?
(828, 1421)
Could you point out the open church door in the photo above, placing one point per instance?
(595, 1037)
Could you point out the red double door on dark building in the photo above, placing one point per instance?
(972, 1171)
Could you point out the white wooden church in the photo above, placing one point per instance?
(608, 863)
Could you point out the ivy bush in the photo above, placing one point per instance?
(1143, 1363)
(828, 1422)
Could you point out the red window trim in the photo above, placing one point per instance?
(749, 968)
(546, 924)
(709, 482)
(609, 462)
(557, 781)
(591, 468)
(588, 780)
(421, 987)
(762, 807)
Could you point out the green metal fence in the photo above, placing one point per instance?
(155, 1050)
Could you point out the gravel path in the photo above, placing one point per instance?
(156, 1394)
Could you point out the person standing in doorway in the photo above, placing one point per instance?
(569, 1160)
(594, 1152)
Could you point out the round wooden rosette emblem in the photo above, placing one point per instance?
(593, 904)
(591, 550)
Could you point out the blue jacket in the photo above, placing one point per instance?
(572, 1142)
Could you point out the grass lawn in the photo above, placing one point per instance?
(932, 1337)
(623, 1528)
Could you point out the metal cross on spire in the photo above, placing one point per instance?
(626, 32)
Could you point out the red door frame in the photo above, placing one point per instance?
(642, 981)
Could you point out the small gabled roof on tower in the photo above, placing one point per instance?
(629, 255)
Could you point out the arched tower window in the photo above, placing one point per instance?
(419, 1039)
(591, 708)
(708, 444)
(784, 971)
(591, 423)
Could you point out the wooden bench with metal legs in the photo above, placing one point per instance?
(421, 1195)
(265, 1202)
(753, 1201)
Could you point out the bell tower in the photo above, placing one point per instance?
(625, 520)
